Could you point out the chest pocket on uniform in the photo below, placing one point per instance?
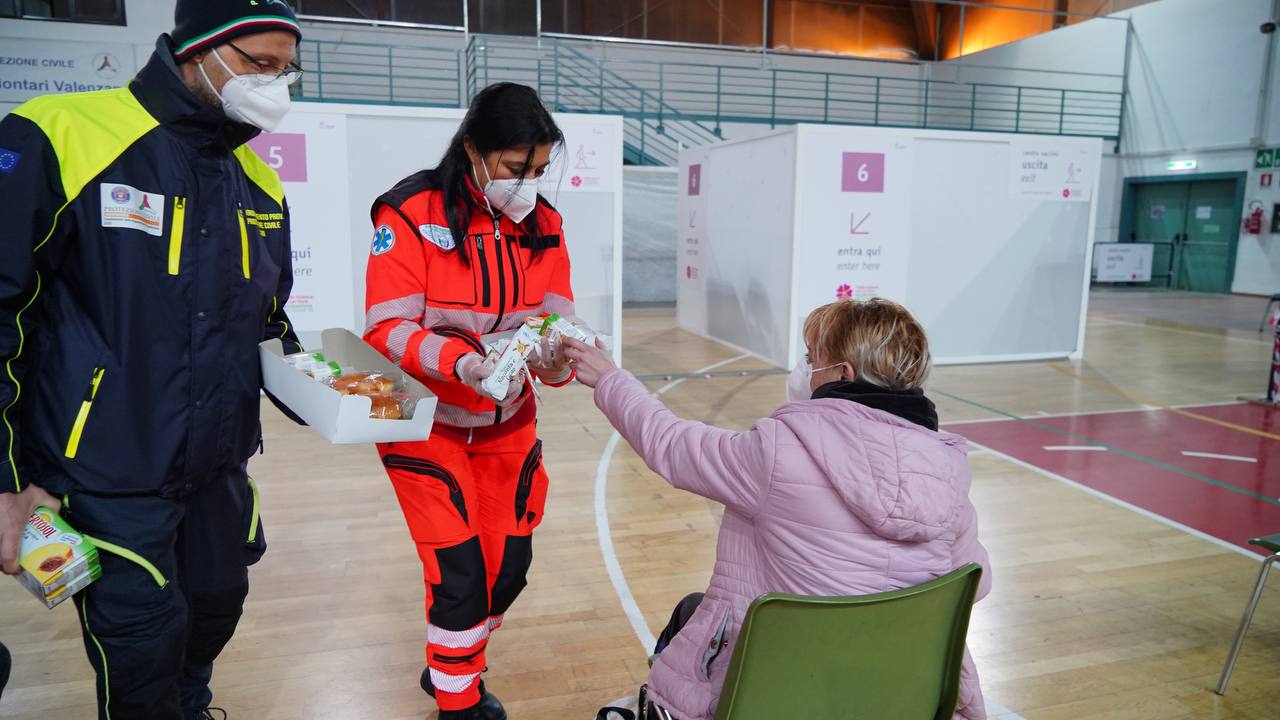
(537, 267)
(449, 282)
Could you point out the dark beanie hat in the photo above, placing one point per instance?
(202, 24)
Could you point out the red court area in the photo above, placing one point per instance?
(1156, 460)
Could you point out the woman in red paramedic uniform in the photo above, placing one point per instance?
(461, 251)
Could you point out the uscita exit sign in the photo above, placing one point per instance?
(1182, 165)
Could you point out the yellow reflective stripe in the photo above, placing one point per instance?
(88, 131)
(244, 244)
(106, 674)
(73, 444)
(17, 386)
(132, 557)
(260, 173)
(275, 307)
(253, 520)
(77, 430)
(175, 234)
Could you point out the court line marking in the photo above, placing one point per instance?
(1216, 456)
(1121, 503)
(1075, 448)
(1230, 338)
(604, 535)
(1086, 413)
(1142, 401)
(619, 580)
(1221, 484)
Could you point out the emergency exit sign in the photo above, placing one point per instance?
(1266, 158)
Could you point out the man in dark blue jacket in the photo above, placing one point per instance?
(144, 255)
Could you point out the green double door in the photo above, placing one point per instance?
(1194, 226)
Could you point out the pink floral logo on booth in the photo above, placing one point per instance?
(844, 292)
(576, 181)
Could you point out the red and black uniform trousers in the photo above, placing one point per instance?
(471, 509)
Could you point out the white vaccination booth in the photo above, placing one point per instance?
(984, 237)
(335, 159)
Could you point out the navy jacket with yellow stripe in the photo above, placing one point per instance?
(144, 254)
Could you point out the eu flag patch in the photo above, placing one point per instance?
(9, 160)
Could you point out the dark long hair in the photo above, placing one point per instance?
(501, 116)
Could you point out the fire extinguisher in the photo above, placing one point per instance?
(1253, 221)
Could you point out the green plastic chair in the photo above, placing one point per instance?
(890, 655)
(1271, 544)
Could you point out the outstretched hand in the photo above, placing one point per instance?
(590, 363)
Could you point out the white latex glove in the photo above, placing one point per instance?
(473, 370)
(552, 365)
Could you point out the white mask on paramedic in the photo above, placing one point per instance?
(250, 100)
(515, 198)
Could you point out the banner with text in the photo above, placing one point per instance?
(584, 163)
(310, 154)
(853, 238)
(29, 68)
(691, 239)
(1041, 169)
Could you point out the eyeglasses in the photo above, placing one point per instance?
(268, 73)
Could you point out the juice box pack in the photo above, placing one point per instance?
(57, 562)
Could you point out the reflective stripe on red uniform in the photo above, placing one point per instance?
(425, 308)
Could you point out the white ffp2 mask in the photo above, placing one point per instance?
(515, 198)
(800, 382)
(249, 100)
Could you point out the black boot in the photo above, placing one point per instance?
(489, 707)
(5, 663)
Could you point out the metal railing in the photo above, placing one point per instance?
(385, 74)
(669, 105)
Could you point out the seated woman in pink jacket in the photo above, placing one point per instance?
(849, 489)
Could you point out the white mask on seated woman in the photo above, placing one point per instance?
(800, 383)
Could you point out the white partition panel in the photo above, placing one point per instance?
(382, 145)
(995, 277)
(749, 215)
(984, 237)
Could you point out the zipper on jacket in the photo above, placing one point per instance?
(82, 417)
(484, 269)
(254, 516)
(714, 647)
(515, 275)
(244, 242)
(502, 278)
(175, 234)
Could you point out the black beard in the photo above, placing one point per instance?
(205, 94)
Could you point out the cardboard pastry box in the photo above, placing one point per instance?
(344, 419)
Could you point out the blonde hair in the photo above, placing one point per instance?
(881, 341)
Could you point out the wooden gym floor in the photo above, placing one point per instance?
(1098, 610)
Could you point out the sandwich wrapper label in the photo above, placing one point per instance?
(344, 419)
